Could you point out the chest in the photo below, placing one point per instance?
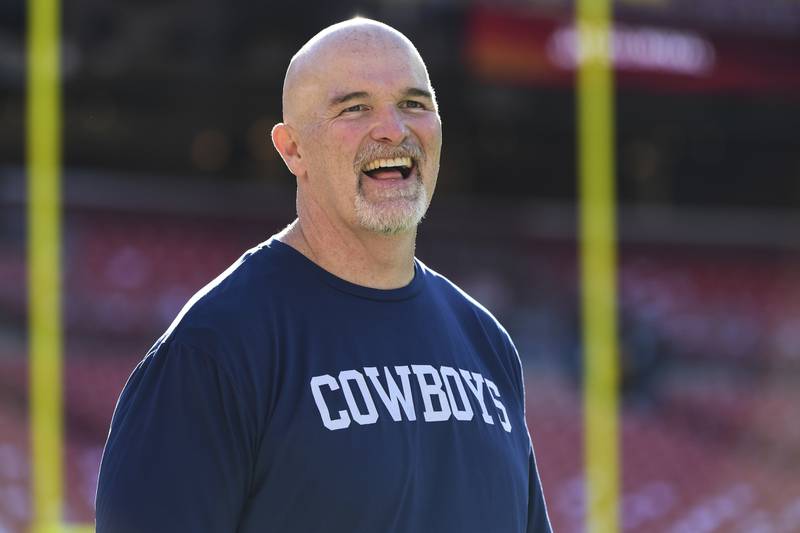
(390, 416)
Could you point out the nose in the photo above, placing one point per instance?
(390, 127)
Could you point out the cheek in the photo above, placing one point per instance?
(429, 132)
(344, 137)
(335, 166)
(340, 148)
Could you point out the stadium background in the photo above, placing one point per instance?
(169, 175)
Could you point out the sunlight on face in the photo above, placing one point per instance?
(361, 99)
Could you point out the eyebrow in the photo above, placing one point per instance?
(414, 91)
(411, 91)
(342, 98)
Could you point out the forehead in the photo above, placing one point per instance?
(372, 68)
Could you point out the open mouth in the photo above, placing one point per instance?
(391, 168)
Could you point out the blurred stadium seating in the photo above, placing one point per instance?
(710, 440)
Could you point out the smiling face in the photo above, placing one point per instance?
(360, 109)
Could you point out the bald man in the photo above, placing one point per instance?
(329, 381)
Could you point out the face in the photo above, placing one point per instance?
(372, 142)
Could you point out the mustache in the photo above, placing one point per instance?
(379, 151)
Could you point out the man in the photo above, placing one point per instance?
(328, 381)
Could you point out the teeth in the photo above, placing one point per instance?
(382, 163)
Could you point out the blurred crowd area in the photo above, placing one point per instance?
(706, 107)
(169, 176)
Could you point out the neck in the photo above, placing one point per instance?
(362, 257)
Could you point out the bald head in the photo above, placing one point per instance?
(321, 59)
(357, 99)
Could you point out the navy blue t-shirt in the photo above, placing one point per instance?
(285, 399)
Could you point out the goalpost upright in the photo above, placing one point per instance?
(598, 263)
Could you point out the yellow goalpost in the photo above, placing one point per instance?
(43, 121)
(45, 336)
(597, 234)
(43, 157)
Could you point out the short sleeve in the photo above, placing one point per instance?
(538, 521)
(516, 365)
(179, 453)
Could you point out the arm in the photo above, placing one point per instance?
(538, 521)
(179, 450)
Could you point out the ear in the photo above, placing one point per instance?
(284, 140)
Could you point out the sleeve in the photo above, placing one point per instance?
(538, 521)
(179, 453)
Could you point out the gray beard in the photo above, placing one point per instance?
(394, 212)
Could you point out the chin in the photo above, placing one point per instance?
(391, 219)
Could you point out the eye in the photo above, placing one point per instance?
(412, 104)
(354, 109)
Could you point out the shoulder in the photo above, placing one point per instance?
(222, 317)
(478, 321)
(221, 333)
(460, 301)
